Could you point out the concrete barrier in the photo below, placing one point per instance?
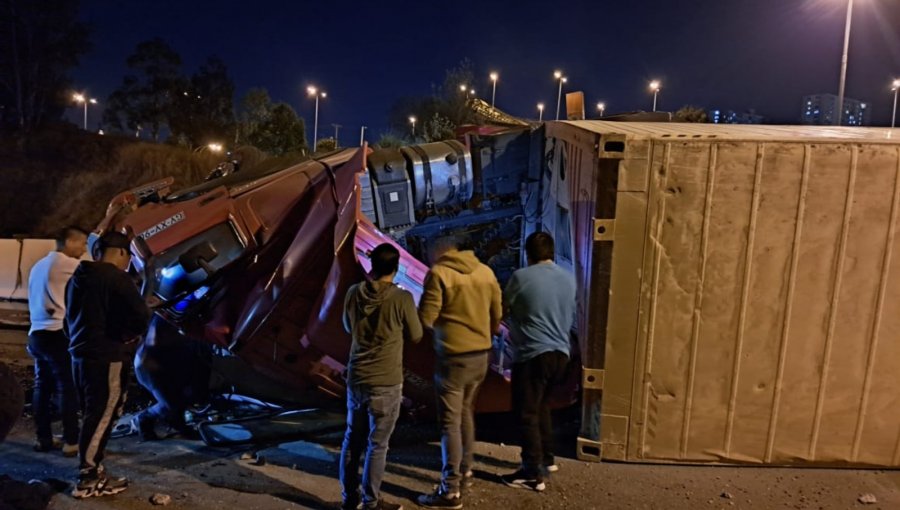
(17, 256)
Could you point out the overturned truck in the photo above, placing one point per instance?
(734, 283)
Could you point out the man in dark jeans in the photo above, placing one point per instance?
(48, 345)
(105, 317)
(461, 303)
(540, 300)
(379, 315)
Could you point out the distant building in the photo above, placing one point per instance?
(733, 117)
(821, 109)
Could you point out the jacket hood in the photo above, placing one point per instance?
(464, 262)
(372, 295)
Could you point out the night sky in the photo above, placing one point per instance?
(729, 54)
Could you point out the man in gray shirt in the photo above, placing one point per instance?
(380, 316)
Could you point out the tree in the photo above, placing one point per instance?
(445, 108)
(42, 41)
(690, 113)
(204, 112)
(147, 97)
(326, 145)
(281, 133)
(256, 108)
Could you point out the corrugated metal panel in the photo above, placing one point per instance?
(749, 287)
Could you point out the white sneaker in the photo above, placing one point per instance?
(552, 468)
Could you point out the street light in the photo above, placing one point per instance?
(562, 79)
(494, 77)
(602, 108)
(314, 92)
(412, 120)
(82, 99)
(540, 112)
(841, 86)
(654, 87)
(895, 88)
(215, 147)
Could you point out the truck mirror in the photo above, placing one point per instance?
(198, 257)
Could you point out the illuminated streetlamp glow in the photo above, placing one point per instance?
(84, 100)
(412, 120)
(601, 107)
(561, 79)
(314, 92)
(540, 112)
(215, 147)
(494, 77)
(654, 87)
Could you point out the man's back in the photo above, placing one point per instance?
(104, 310)
(47, 291)
(379, 315)
(461, 301)
(541, 302)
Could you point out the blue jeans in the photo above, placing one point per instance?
(371, 414)
(53, 378)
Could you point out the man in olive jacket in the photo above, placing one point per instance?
(461, 302)
(379, 315)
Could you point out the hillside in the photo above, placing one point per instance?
(67, 176)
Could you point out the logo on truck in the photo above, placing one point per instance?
(164, 224)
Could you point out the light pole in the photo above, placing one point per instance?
(494, 77)
(464, 89)
(337, 127)
(841, 86)
(81, 98)
(896, 89)
(314, 92)
(412, 120)
(562, 79)
(654, 87)
(602, 108)
(540, 112)
(362, 136)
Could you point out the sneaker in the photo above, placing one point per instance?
(440, 499)
(520, 480)
(99, 486)
(70, 450)
(552, 468)
(44, 446)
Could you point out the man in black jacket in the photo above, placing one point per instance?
(105, 316)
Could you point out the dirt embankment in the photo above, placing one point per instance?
(66, 176)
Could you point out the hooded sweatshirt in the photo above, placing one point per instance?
(104, 311)
(461, 301)
(379, 316)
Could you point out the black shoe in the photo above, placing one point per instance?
(384, 505)
(440, 499)
(520, 480)
(351, 505)
(105, 485)
(145, 426)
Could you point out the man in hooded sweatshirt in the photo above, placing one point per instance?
(380, 316)
(105, 316)
(461, 303)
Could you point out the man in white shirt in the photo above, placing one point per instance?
(48, 344)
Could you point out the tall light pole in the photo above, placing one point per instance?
(314, 92)
(540, 112)
(464, 89)
(337, 127)
(362, 135)
(896, 89)
(654, 87)
(601, 107)
(494, 77)
(81, 98)
(412, 120)
(561, 79)
(840, 101)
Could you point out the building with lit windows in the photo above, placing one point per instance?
(733, 117)
(820, 109)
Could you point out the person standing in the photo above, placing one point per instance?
(105, 317)
(461, 303)
(540, 300)
(47, 342)
(379, 316)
